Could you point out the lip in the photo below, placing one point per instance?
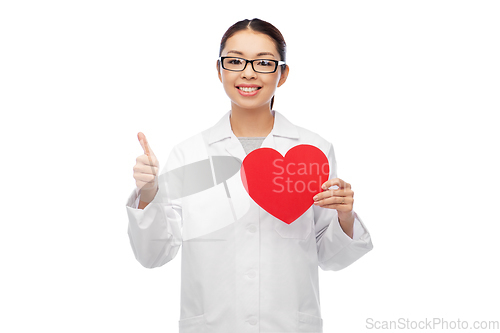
(243, 93)
(246, 85)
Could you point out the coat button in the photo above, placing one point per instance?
(252, 228)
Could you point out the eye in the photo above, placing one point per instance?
(235, 61)
(263, 62)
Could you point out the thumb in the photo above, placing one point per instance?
(144, 144)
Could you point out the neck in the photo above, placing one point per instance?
(251, 122)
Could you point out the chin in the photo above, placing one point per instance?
(251, 106)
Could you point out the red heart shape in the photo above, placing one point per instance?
(285, 186)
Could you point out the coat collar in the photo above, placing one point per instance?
(282, 127)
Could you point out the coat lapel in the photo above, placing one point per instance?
(282, 128)
(221, 140)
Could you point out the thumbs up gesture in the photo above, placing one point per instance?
(146, 171)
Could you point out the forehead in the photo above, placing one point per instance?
(250, 43)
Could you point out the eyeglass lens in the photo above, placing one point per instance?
(259, 65)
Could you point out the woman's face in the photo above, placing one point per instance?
(251, 45)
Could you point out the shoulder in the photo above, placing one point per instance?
(315, 139)
(308, 136)
(312, 137)
(192, 148)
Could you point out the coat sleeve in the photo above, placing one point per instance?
(336, 250)
(155, 232)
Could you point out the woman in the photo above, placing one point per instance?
(243, 269)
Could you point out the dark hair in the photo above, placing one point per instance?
(262, 27)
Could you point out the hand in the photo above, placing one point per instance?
(341, 199)
(146, 170)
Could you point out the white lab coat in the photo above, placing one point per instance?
(243, 270)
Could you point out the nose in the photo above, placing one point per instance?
(248, 72)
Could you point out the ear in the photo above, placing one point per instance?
(284, 75)
(218, 71)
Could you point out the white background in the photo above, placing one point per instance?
(406, 91)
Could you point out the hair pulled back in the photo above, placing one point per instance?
(263, 27)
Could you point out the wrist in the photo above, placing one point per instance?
(346, 221)
(148, 195)
(346, 216)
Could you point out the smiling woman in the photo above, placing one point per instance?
(271, 44)
(250, 254)
(249, 90)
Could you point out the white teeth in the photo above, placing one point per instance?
(247, 89)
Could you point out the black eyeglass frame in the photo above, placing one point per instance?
(277, 63)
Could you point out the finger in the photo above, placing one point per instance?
(141, 137)
(333, 193)
(146, 169)
(144, 144)
(333, 200)
(335, 181)
(147, 160)
(347, 205)
(144, 178)
(338, 207)
(147, 149)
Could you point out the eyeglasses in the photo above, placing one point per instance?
(265, 66)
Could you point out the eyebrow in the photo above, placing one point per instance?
(258, 54)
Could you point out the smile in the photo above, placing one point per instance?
(248, 91)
